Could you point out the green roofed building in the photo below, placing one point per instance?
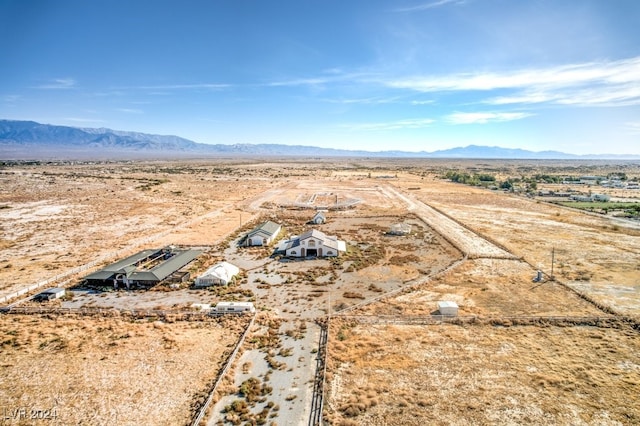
(263, 235)
(145, 268)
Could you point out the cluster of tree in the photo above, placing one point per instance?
(548, 178)
(469, 179)
(483, 179)
(617, 175)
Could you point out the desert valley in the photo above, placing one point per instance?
(345, 320)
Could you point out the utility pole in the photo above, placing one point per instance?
(553, 257)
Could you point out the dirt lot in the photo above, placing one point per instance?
(487, 287)
(375, 263)
(106, 371)
(597, 255)
(279, 362)
(454, 375)
(57, 217)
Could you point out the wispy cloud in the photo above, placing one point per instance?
(485, 117)
(83, 120)
(593, 83)
(11, 98)
(333, 75)
(633, 127)
(59, 83)
(414, 123)
(130, 110)
(616, 72)
(429, 102)
(302, 82)
(429, 5)
(365, 101)
(198, 86)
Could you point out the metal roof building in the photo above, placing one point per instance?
(263, 234)
(147, 267)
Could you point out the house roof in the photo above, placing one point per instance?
(268, 228)
(326, 240)
(313, 233)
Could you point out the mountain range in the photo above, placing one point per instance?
(31, 140)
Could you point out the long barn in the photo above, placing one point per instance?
(143, 269)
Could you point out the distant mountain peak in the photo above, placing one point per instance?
(32, 140)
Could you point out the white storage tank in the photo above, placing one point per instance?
(449, 308)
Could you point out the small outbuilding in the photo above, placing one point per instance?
(448, 308)
(202, 306)
(319, 218)
(219, 274)
(51, 293)
(263, 235)
(400, 229)
(234, 307)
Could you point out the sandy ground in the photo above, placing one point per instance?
(487, 287)
(447, 374)
(105, 371)
(57, 218)
(289, 373)
(596, 255)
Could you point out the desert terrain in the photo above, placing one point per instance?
(560, 351)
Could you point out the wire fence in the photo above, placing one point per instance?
(317, 398)
(202, 411)
(185, 315)
(511, 320)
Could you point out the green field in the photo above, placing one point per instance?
(628, 209)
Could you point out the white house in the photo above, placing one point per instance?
(263, 234)
(234, 307)
(313, 243)
(219, 274)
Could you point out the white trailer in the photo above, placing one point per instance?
(234, 307)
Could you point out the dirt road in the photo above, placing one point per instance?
(470, 243)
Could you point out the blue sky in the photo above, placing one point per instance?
(364, 74)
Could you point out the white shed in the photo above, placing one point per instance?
(400, 229)
(319, 218)
(219, 274)
(51, 293)
(202, 306)
(234, 307)
(448, 308)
